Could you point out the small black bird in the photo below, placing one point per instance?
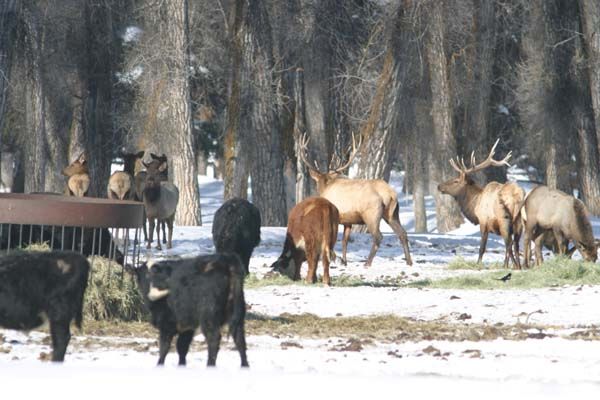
(505, 277)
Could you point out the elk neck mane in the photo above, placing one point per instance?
(583, 224)
(468, 202)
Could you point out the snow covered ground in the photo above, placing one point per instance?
(548, 364)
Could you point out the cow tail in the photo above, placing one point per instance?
(236, 296)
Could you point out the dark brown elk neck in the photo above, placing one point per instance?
(468, 201)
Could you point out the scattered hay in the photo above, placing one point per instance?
(112, 294)
(459, 263)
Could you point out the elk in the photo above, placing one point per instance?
(359, 201)
(160, 201)
(78, 181)
(494, 207)
(121, 184)
(140, 182)
(545, 211)
(311, 234)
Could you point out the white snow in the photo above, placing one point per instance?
(553, 367)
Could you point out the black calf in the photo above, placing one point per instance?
(205, 292)
(236, 229)
(38, 285)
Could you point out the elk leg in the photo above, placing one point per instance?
(170, 225)
(158, 246)
(59, 331)
(482, 244)
(377, 237)
(539, 243)
(560, 241)
(164, 230)
(150, 232)
(527, 243)
(345, 238)
(505, 232)
(183, 345)
(164, 343)
(399, 230)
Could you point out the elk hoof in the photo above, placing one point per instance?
(158, 247)
(169, 246)
(148, 246)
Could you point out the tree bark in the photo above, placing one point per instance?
(175, 30)
(234, 156)
(590, 21)
(447, 210)
(8, 19)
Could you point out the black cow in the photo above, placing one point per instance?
(205, 291)
(236, 229)
(39, 285)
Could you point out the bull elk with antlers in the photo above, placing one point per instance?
(359, 201)
(495, 207)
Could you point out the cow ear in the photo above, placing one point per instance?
(163, 166)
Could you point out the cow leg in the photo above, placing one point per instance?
(402, 236)
(240, 343)
(150, 232)
(144, 225)
(183, 345)
(325, 261)
(213, 340)
(345, 238)
(298, 260)
(158, 246)
(170, 225)
(482, 244)
(312, 259)
(164, 344)
(60, 333)
(164, 230)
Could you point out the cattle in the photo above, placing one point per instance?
(39, 285)
(236, 229)
(205, 291)
(311, 234)
(549, 210)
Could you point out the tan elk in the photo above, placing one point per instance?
(121, 184)
(78, 175)
(160, 201)
(359, 201)
(494, 207)
(547, 211)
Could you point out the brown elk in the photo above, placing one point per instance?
(140, 182)
(78, 181)
(160, 201)
(547, 210)
(359, 201)
(495, 207)
(311, 233)
(121, 184)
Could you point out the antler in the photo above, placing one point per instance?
(459, 164)
(355, 148)
(303, 140)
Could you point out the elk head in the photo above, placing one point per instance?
(130, 160)
(457, 187)
(588, 252)
(155, 171)
(79, 166)
(323, 179)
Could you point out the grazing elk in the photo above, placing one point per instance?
(78, 181)
(206, 292)
(311, 234)
(495, 207)
(359, 201)
(39, 285)
(121, 184)
(236, 229)
(549, 210)
(160, 201)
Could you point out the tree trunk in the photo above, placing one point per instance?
(178, 114)
(448, 212)
(234, 154)
(588, 173)
(590, 21)
(35, 103)
(268, 187)
(8, 19)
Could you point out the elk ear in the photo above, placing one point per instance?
(163, 166)
(140, 154)
(81, 158)
(154, 156)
